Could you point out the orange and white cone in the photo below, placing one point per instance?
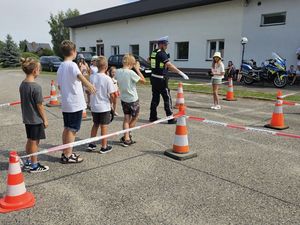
(16, 197)
(53, 96)
(180, 97)
(181, 143)
(277, 121)
(230, 93)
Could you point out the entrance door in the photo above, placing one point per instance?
(100, 49)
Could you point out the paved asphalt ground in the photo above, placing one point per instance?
(238, 177)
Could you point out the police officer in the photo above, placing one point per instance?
(160, 64)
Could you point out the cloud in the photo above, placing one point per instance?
(28, 19)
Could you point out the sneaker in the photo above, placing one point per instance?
(106, 150)
(38, 169)
(74, 158)
(27, 165)
(172, 121)
(126, 143)
(218, 107)
(213, 107)
(91, 147)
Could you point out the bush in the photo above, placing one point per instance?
(46, 52)
(29, 54)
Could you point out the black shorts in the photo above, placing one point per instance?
(132, 108)
(72, 121)
(35, 131)
(101, 118)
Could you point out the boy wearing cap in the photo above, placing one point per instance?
(160, 64)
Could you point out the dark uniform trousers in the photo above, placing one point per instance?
(160, 87)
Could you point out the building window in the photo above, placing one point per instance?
(182, 50)
(135, 49)
(93, 49)
(273, 19)
(215, 46)
(115, 50)
(82, 49)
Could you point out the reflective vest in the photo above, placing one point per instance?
(154, 62)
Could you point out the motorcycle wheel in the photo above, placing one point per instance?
(280, 82)
(248, 80)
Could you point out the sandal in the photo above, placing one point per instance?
(74, 158)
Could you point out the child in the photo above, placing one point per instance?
(94, 68)
(85, 71)
(218, 72)
(292, 74)
(34, 116)
(101, 103)
(112, 74)
(70, 81)
(127, 80)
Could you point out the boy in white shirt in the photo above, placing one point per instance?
(101, 103)
(70, 82)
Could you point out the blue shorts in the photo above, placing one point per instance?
(72, 121)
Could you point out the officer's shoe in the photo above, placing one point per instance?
(151, 120)
(172, 121)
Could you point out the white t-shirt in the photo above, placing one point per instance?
(94, 69)
(219, 68)
(100, 102)
(72, 97)
(127, 80)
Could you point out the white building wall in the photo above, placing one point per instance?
(196, 25)
(284, 39)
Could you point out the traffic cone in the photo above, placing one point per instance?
(181, 149)
(230, 93)
(277, 121)
(180, 97)
(84, 116)
(16, 197)
(53, 96)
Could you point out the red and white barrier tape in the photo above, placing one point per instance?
(290, 103)
(18, 102)
(99, 138)
(203, 84)
(240, 127)
(291, 94)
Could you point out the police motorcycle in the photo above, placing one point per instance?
(272, 70)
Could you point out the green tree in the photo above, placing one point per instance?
(10, 53)
(22, 45)
(58, 31)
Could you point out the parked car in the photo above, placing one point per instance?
(116, 60)
(87, 56)
(50, 63)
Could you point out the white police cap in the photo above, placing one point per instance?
(164, 40)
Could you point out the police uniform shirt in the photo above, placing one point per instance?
(161, 58)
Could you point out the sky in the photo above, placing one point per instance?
(27, 19)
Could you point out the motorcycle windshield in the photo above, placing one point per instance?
(279, 59)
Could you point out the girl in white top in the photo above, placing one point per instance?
(218, 72)
(112, 74)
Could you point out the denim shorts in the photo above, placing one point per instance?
(72, 121)
(216, 81)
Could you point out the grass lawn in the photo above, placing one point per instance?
(239, 92)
